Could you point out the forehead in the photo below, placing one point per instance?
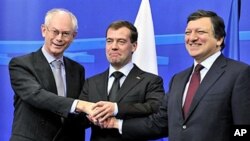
(122, 32)
(61, 21)
(202, 23)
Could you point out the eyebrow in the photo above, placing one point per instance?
(60, 30)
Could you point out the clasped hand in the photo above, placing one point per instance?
(100, 113)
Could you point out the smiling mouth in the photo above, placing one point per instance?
(57, 45)
(194, 44)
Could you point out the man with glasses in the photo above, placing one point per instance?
(45, 91)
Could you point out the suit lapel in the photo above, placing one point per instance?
(182, 81)
(102, 85)
(44, 71)
(133, 78)
(211, 77)
(70, 75)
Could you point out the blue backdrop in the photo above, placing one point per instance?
(20, 23)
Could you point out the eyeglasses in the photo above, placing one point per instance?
(55, 32)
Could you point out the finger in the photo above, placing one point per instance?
(102, 119)
(96, 112)
(89, 117)
(103, 114)
(99, 104)
(93, 121)
(99, 113)
(95, 106)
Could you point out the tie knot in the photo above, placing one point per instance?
(57, 64)
(117, 74)
(198, 68)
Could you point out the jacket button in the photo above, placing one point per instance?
(184, 127)
(43, 122)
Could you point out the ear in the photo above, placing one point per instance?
(43, 30)
(74, 34)
(134, 46)
(219, 42)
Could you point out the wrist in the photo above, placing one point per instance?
(81, 106)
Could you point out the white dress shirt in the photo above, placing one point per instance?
(207, 65)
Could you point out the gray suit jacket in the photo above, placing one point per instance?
(38, 109)
(139, 96)
(221, 101)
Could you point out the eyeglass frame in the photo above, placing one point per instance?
(55, 32)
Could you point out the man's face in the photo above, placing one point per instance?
(58, 34)
(119, 48)
(200, 40)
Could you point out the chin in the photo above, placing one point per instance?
(56, 53)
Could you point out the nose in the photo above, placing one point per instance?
(59, 36)
(193, 36)
(114, 45)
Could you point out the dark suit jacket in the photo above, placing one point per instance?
(38, 109)
(221, 101)
(140, 95)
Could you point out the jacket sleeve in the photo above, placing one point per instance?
(29, 88)
(151, 127)
(148, 101)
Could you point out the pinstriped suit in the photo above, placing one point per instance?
(38, 109)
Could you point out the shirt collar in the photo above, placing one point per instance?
(209, 61)
(49, 57)
(125, 69)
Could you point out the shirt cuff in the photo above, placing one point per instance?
(73, 107)
(120, 122)
(116, 109)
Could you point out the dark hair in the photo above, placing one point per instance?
(119, 24)
(217, 22)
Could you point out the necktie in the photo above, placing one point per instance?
(58, 77)
(116, 86)
(193, 86)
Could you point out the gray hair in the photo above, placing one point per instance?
(51, 12)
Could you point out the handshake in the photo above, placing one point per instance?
(100, 113)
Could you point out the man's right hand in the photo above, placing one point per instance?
(84, 106)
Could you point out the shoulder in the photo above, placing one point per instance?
(150, 77)
(69, 60)
(138, 71)
(237, 69)
(27, 58)
(73, 64)
(236, 64)
(102, 75)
